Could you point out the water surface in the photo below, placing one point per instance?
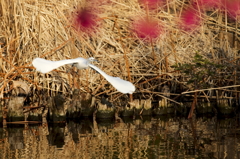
(143, 137)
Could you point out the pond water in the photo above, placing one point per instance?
(143, 137)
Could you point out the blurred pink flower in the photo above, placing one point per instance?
(232, 7)
(85, 20)
(147, 29)
(209, 3)
(152, 4)
(190, 18)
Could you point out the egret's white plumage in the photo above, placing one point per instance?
(120, 84)
(46, 66)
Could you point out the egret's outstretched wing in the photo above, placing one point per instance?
(45, 66)
(120, 84)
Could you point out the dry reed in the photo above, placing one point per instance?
(43, 28)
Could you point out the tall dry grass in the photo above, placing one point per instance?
(43, 28)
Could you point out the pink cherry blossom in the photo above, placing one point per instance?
(232, 7)
(146, 28)
(190, 18)
(85, 20)
(206, 4)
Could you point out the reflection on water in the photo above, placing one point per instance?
(144, 137)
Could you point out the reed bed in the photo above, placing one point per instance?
(44, 28)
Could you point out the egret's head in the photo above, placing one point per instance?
(91, 59)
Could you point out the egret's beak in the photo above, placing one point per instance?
(96, 60)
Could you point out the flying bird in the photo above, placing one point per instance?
(45, 66)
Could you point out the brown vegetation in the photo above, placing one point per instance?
(44, 28)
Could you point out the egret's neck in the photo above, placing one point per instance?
(89, 61)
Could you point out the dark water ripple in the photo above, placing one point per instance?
(144, 137)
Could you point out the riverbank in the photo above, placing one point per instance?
(169, 66)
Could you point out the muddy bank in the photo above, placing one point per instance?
(58, 108)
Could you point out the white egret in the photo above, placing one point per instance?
(45, 66)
